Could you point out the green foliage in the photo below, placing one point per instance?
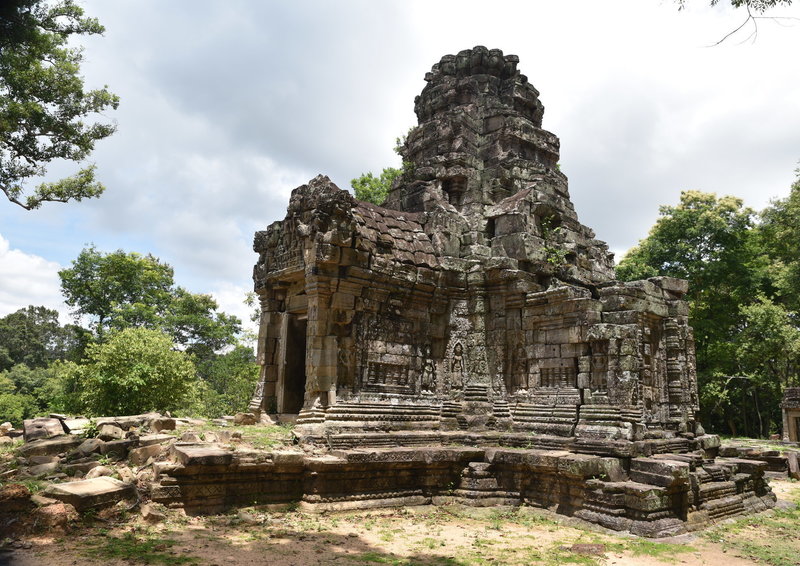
(229, 380)
(15, 407)
(759, 6)
(122, 290)
(33, 336)
(43, 103)
(142, 549)
(117, 290)
(374, 189)
(136, 371)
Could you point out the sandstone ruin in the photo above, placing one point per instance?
(474, 309)
(473, 299)
(790, 407)
(466, 343)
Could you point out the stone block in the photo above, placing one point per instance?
(793, 461)
(109, 431)
(140, 456)
(664, 473)
(117, 449)
(245, 419)
(41, 427)
(43, 469)
(148, 439)
(161, 423)
(91, 493)
(99, 471)
(48, 446)
(76, 425)
(90, 446)
(193, 455)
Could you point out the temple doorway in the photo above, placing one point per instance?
(292, 378)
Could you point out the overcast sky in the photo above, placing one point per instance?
(228, 106)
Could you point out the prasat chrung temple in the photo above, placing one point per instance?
(472, 319)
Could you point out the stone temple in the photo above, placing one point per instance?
(474, 310)
(473, 299)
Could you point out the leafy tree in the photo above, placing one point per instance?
(117, 290)
(779, 236)
(193, 322)
(43, 103)
(374, 189)
(706, 240)
(122, 290)
(14, 408)
(768, 351)
(34, 336)
(231, 379)
(759, 6)
(136, 371)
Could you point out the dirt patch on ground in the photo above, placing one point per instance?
(445, 536)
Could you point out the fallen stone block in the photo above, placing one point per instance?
(90, 446)
(117, 449)
(79, 467)
(140, 456)
(5, 428)
(47, 446)
(108, 431)
(91, 493)
(151, 513)
(793, 461)
(41, 427)
(37, 460)
(76, 425)
(99, 471)
(149, 439)
(43, 469)
(201, 455)
(161, 423)
(6, 440)
(245, 419)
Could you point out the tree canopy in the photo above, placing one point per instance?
(120, 290)
(43, 102)
(33, 336)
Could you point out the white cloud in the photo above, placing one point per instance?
(27, 279)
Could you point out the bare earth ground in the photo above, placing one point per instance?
(448, 536)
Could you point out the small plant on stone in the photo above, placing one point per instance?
(91, 430)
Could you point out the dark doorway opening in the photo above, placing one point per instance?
(294, 380)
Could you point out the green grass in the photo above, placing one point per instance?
(767, 538)
(141, 550)
(266, 437)
(661, 550)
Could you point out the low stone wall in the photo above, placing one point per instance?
(658, 495)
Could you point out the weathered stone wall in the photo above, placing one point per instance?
(650, 496)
